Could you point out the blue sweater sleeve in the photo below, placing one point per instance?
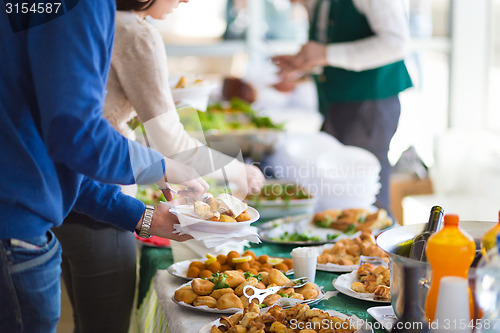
(70, 59)
(106, 203)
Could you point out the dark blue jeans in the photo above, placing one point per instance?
(30, 291)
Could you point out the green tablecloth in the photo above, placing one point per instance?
(153, 259)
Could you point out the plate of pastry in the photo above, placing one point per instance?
(225, 213)
(277, 319)
(246, 261)
(371, 220)
(224, 292)
(370, 282)
(345, 255)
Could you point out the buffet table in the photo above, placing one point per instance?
(156, 312)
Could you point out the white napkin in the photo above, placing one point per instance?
(214, 239)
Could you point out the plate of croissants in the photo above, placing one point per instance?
(345, 255)
(224, 292)
(277, 319)
(370, 282)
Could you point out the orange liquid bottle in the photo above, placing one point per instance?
(489, 239)
(450, 253)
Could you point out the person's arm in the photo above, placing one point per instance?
(388, 20)
(140, 64)
(106, 203)
(69, 58)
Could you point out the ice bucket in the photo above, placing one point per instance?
(397, 243)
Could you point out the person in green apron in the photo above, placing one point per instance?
(355, 54)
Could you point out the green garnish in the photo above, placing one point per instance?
(219, 280)
(301, 237)
(350, 230)
(259, 277)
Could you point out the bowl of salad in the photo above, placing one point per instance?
(233, 121)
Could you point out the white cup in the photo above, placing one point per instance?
(452, 309)
(304, 262)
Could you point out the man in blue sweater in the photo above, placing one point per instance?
(57, 149)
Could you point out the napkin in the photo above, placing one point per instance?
(213, 239)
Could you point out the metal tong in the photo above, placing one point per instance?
(261, 294)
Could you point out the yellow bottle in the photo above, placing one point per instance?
(450, 252)
(490, 237)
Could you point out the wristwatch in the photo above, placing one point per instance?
(146, 222)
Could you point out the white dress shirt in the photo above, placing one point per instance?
(387, 19)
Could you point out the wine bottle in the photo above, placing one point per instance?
(417, 251)
(412, 319)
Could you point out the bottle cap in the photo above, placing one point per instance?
(451, 219)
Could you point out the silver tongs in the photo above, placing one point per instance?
(261, 294)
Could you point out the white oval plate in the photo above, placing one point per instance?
(343, 285)
(284, 304)
(333, 267)
(180, 268)
(365, 327)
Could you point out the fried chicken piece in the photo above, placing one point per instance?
(243, 217)
(186, 295)
(228, 301)
(277, 277)
(205, 300)
(202, 287)
(382, 293)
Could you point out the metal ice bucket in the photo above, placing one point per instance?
(397, 243)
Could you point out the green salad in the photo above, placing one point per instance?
(301, 237)
(238, 115)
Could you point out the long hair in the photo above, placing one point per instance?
(137, 5)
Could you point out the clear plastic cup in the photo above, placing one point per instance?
(304, 262)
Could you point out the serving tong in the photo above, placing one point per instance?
(261, 294)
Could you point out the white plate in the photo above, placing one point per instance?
(187, 217)
(365, 328)
(384, 315)
(180, 268)
(334, 267)
(343, 285)
(272, 209)
(286, 302)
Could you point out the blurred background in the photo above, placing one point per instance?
(450, 117)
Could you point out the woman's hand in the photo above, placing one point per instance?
(255, 179)
(179, 173)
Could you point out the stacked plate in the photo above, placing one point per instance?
(347, 178)
(339, 176)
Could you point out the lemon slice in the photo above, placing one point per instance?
(210, 259)
(240, 260)
(274, 261)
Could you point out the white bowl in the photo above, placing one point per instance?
(349, 162)
(196, 97)
(196, 223)
(270, 209)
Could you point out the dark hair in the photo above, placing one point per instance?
(136, 5)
